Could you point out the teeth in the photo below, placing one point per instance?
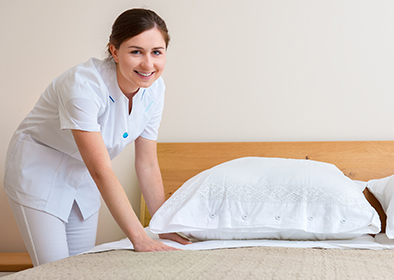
(143, 74)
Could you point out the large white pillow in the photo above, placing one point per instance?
(383, 190)
(254, 197)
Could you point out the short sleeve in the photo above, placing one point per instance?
(152, 129)
(81, 114)
(81, 100)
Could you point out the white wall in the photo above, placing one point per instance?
(236, 71)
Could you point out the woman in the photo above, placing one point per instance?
(59, 159)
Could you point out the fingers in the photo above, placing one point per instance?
(169, 248)
(175, 237)
(154, 246)
(150, 245)
(182, 240)
(163, 247)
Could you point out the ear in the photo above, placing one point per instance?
(114, 52)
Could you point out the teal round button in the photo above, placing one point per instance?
(125, 135)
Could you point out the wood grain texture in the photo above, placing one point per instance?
(11, 262)
(359, 160)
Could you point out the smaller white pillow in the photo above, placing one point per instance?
(383, 190)
(272, 198)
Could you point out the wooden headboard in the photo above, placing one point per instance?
(359, 160)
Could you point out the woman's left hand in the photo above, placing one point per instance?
(175, 237)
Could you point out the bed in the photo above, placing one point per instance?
(358, 160)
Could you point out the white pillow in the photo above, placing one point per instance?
(383, 190)
(254, 198)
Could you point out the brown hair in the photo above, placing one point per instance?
(132, 23)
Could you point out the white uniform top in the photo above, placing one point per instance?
(44, 169)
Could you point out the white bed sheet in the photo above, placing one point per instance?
(379, 242)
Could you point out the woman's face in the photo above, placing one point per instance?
(140, 60)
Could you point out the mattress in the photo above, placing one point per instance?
(235, 263)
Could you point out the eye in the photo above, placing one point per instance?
(157, 52)
(135, 52)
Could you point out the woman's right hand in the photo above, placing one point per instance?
(150, 245)
(95, 155)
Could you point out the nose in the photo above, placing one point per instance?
(147, 62)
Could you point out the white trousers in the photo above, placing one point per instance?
(47, 238)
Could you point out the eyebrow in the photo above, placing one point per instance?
(136, 47)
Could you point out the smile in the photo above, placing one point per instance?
(144, 74)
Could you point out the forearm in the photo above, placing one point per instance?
(118, 204)
(98, 163)
(96, 158)
(151, 186)
(148, 173)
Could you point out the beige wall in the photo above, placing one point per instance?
(236, 71)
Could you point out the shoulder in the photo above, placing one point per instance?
(84, 80)
(157, 89)
(90, 71)
(159, 84)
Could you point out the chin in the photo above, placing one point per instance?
(146, 84)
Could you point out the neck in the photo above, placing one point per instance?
(131, 95)
(124, 85)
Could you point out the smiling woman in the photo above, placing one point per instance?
(59, 159)
(139, 61)
(139, 52)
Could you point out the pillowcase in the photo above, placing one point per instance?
(383, 190)
(270, 198)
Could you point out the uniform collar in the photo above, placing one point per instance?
(110, 79)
